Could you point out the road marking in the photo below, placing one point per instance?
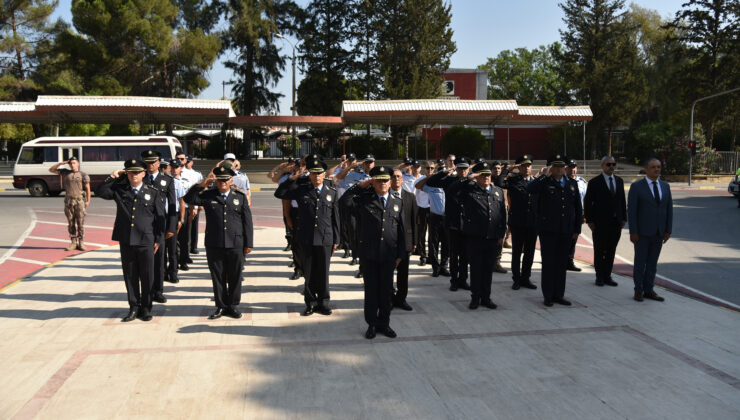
(704, 187)
(65, 224)
(63, 240)
(26, 260)
(21, 238)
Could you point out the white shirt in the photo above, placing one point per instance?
(607, 178)
(408, 183)
(137, 189)
(650, 185)
(422, 197)
(179, 192)
(241, 181)
(582, 187)
(385, 199)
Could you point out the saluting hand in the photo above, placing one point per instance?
(365, 184)
(116, 174)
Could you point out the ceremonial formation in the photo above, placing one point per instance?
(454, 214)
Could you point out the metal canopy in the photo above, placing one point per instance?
(257, 121)
(429, 112)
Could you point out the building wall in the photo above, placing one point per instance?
(532, 140)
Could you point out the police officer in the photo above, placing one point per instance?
(410, 212)
(165, 184)
(451, 181)
(559, 216)
(170, 244)
(229, 236)
(139, 228)
(76, 186)
(318, 231)
(571, 170)
(484, 226)
(381, 245)
(522, 222)
(439, 243)
(498, 174)
(355, 172)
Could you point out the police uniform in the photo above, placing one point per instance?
(582, 187)
(559, 216)
(352, 178)
(165, 184)
(410, 212)
(498, 181)
(381, 243)
(140, 223)
(484, 226)
(523, 224)
(229, 231)
(317, 231)
(453, 222)
(171, 244)
(74, 205)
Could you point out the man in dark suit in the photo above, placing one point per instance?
(410, 212)
(229, 236)
(139, 229)
(381, 245)
(317, 230)
(522, 222)
(605, 209)
(650, 216)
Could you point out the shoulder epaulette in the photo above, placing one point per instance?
(239, 190)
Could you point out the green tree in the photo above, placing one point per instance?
(464, 141)
(23, 24)
(365, 74)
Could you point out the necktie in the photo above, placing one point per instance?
(611, 186)
(656, 193)
(223, 196)
(318, 192)
(382, 201)
(150, 179)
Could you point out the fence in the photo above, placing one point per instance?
(719, 163)
(275, 152)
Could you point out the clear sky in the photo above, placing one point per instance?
(482, 29)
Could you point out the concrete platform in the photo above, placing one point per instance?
(67, 355)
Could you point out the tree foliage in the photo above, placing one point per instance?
(464, 141)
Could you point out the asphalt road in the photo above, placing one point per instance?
(704, 252)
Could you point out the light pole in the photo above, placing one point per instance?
(224, 83)
(292, 108)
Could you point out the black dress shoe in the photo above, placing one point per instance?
(233, 313)
(422, 262)
(287, 248)
(131, 316)
(189, 260)
(453, 287)
(172, 279)
(403, 305)
(353, 261)
(562, 301)
(572, 267)
(388, 332)
(463, 285)
(474, 302)
(653, 296)
(529, 285)
(599, 282)
(548, 303)
(358, 274)
(145, 316)
(308, 311)
(159, 298)
(610, 282)
(370, 333)
(346, 254)
(296, 275)
(516, 285)
(292, 264)
(217, 314)
(445, 272)
(184, 267)
(435, 273)
(323, 310)
(194, 251)
(488, 303)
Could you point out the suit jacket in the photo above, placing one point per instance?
(318, 215)
(140, 219)
(558, 209)
(410, 212)
(600, 206)
(228, 223)
(165, 184)
(645, 216)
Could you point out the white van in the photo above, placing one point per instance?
(98, 156)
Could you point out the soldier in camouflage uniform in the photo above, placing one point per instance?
(76, 186)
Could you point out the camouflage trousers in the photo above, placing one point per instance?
(74, 209)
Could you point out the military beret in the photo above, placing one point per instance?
(133, 165)
(524, 159)
(150, 156)
(228, 165)
(381, 172)
(223, 173)
(71, 158)
(175, 163)
(316, 166)
(369, 158)
(482, 168)
(462, 162)
(557, 160)
(572, 163)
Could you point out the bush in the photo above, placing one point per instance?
(655, 140)
(287, 144)
(464, 141)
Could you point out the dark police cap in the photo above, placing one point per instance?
(381, 172)
(524, 159)
(150, 156)
(572, 163)
(133, 165)
(223, 173)
(462, 162)
(497, 163)
(440, 161)
(415, 163)
(482, 168)
(557, 160)
(175, 163)
(407, 161)
(316, 166)
(190, 158)
(71, 158)
(351, 156)
(314, 156)
(164, 162)
(369, 158)
(480, 160)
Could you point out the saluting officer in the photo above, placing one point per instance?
(165, 184)
(522, 222)
(352, 174)
(559, 216)
(381, 245)
(229, 236)
(317, 230)
(484, 225)
(139, 229)
(76, 186)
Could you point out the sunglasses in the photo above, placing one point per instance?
(429, 167)
(611, 164)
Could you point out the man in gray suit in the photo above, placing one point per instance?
(650, 216)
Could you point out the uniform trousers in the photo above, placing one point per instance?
(378, 279)
(160, 263)
(458, 257)
(647, 251)
(138, 273)
(479, 251)
(194, 233)
(523, 241)
(606, 237)
(295, 246)
(183, 241)
(170, 246)
(438, 242)
(316, 273)
(402, 280)
(554, 248)
(421, 225)
(345, 228)
(226, 266)
(74, 209)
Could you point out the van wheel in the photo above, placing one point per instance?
(37, 188)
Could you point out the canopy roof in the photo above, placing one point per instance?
(428, 112)
(255, 121)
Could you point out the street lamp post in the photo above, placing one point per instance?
(292, 108)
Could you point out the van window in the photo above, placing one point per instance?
(38, 155)
(100, 153)
(134, 152)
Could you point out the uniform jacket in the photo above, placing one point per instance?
(600, 206)
(646, 217)
(484, 213)
(558, 209)
(318, 215)
(140, 219)
(380, 231)
(451, 185)
(523, 208)
(228, 223)
(410, 212)
(165, 184)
